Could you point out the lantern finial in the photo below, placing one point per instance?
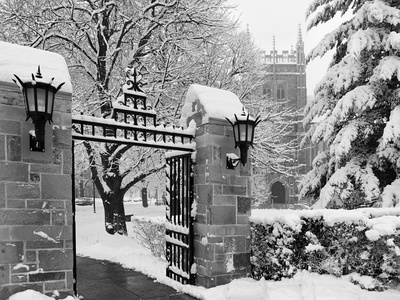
(38, 74)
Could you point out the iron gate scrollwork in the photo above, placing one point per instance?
(179, 225)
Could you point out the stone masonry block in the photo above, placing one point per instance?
(11, 252)
(225, 200)
(58, 217)
(234, 244)
(18, 268)
(45, 168)
(214, 174)
(30, 256)
(62, 139)
(56, 186)
(44, 244)
(205, 281)
(67, 161)
(204, 229)
(11, 97)
(201, 209)
(18, 279)
(62, 103)
(234, 190)
(56, 158)
(4, 274)
(222, 215)
(16, 203)
(215, 129)
(5, 233)
(2, 195)
(203, 155)
(48, 276)
(22, 191)
(24, 217)
(2, 147)
(45, 204)
(10, 127)
(13, 171)
(13, 148)
(70, 279)
(29, 233)
(217, 155)
(225, 279)
(243, 205)
(202, 251)
(218, 267)
(54, 285)
(241, 260)
(204, 193)
(230, 230)
(242, 219)
(237, 180)
(8, 112)
(51, 260)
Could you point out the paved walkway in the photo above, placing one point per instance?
(104, 280)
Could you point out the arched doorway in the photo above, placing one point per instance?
(278, 193)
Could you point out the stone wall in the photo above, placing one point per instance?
(222, 230)
(36, 249)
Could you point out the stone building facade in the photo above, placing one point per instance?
(286, 85)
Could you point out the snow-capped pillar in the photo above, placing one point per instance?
(222, 229)
(35, 187)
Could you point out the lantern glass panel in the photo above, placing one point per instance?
(41, 99)
(250, 131)
(236, 132)
(242, 130)
(30, 98)
(50, 101)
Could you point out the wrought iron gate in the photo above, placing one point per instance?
(179, 225)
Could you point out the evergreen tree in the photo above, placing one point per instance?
(356, 107)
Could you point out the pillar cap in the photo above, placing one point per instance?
(209, 103)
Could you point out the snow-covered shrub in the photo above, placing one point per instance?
(363, 242)
(271, 251)
(150, 233)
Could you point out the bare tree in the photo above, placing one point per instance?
(173, 43)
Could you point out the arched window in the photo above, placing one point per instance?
(267, 91)
(280, 93)
(278, 193)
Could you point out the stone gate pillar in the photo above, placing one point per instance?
(222, 229)
(36, 249)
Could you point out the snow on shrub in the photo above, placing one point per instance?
(358, 243)
(150, 233)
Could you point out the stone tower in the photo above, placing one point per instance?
(286, 85)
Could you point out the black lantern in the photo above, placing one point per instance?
(243, 133)
(39, 105)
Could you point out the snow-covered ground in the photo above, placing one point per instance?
(93, 241)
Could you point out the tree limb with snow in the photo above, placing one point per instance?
(359, 99)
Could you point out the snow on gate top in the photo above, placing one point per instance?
(24, 61)
(210, 103)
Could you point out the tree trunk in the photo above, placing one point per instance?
(114, 213)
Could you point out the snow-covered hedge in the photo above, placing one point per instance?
(362, 242)
(150, 233)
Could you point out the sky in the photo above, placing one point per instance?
(282, 18)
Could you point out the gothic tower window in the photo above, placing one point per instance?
(267, 91)
(280, 93)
